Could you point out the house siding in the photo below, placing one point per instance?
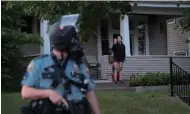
(144, 64)
(31, 49)
(176, 38)
(90, 47)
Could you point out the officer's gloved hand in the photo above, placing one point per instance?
(57, 99)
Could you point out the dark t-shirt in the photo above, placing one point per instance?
(119, 51)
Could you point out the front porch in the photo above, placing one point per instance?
(143, 64)
(149, 34)
(150, 39)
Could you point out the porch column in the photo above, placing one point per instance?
(45, 36)
(124, 31)
(188, 43)
(189, 49)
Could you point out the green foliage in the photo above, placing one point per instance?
(185, 21)
(12, 41)
(150, 79)
(156, 79)
(115, 102)
(91, 12)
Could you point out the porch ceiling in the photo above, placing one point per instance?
(162, 4)
(157, 11)
(159, 8)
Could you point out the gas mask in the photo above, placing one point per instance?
(69, 24)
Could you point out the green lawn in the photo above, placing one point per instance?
(117, 102)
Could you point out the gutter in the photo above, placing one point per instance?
(160, 4)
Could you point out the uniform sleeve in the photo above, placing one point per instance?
(85, 71)
(31, 76)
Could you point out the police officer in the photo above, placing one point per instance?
(65, 55)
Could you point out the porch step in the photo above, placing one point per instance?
(109, 85)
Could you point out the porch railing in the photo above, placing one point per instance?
(180, 82)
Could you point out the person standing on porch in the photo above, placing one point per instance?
(119, 57)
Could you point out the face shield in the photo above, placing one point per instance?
(70, 20)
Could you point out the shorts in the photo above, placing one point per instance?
(118, 59)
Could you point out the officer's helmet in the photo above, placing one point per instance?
(63, 34)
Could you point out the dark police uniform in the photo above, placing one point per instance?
(40, 75)
(68, 78)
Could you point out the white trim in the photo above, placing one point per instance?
(31, 55)
(99, 42)
(45, 36)
(156, 56)
(176, 53)
(159, 5)
(110, 32)
(124, 30)
(171, 21)
(42, 35)
(157, 11)
(147, 39)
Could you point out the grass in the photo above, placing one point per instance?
(117, 102)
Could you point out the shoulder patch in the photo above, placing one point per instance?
(39, 57)
(30, 67)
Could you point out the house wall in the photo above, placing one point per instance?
(35, 49)
(176, 38)
(144, 64)
(31, 49)
(90, 47)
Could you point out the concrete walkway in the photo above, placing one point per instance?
(109, 85)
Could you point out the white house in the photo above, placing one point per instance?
(149, 33)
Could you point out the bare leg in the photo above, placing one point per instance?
(120, 71)
(115, 70)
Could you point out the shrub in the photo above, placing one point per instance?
(150, 79)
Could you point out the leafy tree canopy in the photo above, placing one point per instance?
(185, 21)
(90, 12)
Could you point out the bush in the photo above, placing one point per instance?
(12, 82)
(150, 79)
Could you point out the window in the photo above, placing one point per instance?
(27, 22)
(104, 37)
(116, 35)
(141, 40)
(38, 26)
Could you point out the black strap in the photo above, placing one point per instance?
(58, 77)
(58, 69)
